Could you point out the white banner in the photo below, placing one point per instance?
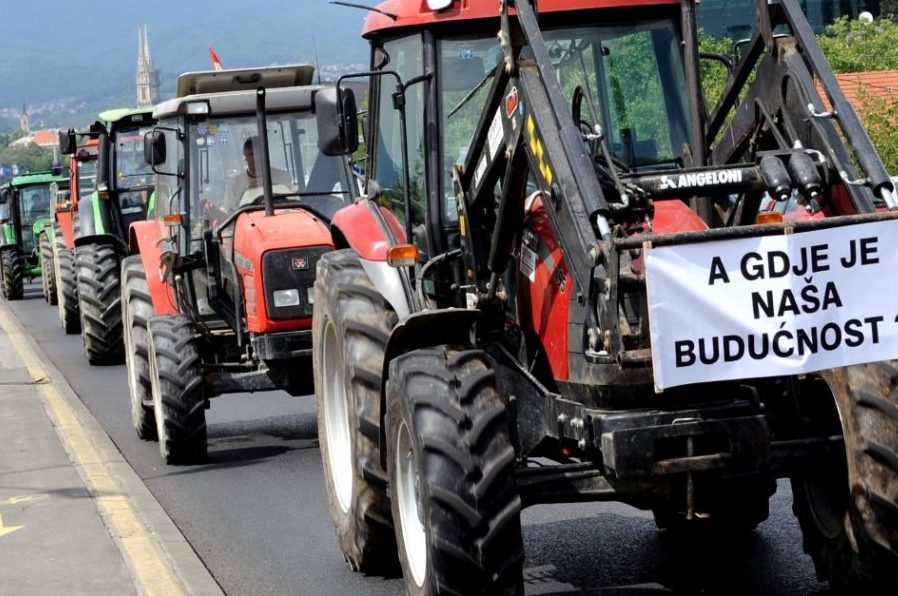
(775, 305)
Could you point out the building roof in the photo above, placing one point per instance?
(872, 84)
(45, 138)
(42, 138)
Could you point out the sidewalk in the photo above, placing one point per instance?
(74, 517)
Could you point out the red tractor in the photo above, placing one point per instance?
(217, 295)
(558, 289)
(82, 180)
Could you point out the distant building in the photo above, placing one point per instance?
(736, 18)
(47, 138)
(147, 75)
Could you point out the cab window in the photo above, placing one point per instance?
(404, 57)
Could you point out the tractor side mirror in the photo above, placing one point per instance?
(154, 147)
(67, 143)
(338, 125)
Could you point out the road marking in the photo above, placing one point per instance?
(24, 499)
(147, 562)
(6, 530)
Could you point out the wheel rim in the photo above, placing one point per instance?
(414, 539)
(336, 420)
(827, 507)
(156, 391)
(133, 382)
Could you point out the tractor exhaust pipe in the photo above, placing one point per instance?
(263, 142)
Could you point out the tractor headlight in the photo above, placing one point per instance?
(284, 298)
(310, 294)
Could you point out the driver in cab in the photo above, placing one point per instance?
(237, 191)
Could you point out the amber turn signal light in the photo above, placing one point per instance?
(768, 217)
(402, 255)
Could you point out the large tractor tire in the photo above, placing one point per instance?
(848, 513)
(11, 271)
(100, 303)
(451, 467)
(137, 310)
(66, 284)
(48, 270)
(176, 380)
(350, 324)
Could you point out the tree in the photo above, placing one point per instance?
(851, 45)
(30, 158)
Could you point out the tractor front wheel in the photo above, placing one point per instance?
(451, 465)
(350, 326)
(137, 310)
(100, 303)
(176, 381)
(11, 271)
(66, 284)
(847, 512)
(48, 270)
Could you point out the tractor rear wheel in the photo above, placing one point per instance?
(848, 512)
(451, 466)
(100, 303)
(48, 270)
(11, 270)
(350, 326)
(66, 284)
(176, 381)
(137, 310)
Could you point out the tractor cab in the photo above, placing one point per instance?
(621, 71)
(83, 169)
(229, 151)
(26, 217)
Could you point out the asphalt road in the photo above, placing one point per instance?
(257, 515)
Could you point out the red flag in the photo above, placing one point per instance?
(216, 61)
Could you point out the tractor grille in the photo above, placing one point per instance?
(290, 269)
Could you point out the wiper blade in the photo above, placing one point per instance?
(490, 74)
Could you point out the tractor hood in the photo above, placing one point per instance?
(276, 257)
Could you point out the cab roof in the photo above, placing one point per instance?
(241, 79)
(36, 178)
(415, 13)
(233, 91)
(117, 114)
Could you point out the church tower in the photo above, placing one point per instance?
(23, 119)
(147, 75)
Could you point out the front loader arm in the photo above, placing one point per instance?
(526, 127)
(781, 109)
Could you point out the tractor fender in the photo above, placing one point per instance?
(7, 235)
(146, 239)
(390, 284)
(66, 221)
(423, 329)
(368, 228)
(93, 223)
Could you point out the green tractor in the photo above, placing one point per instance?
(26, 232)
(122, 196)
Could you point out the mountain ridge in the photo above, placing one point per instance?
(86, 55)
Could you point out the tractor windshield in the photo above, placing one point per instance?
(34, 203)
(133, 176)
(226, 164)
(630, 76)
(632, 83)
(87, 178)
